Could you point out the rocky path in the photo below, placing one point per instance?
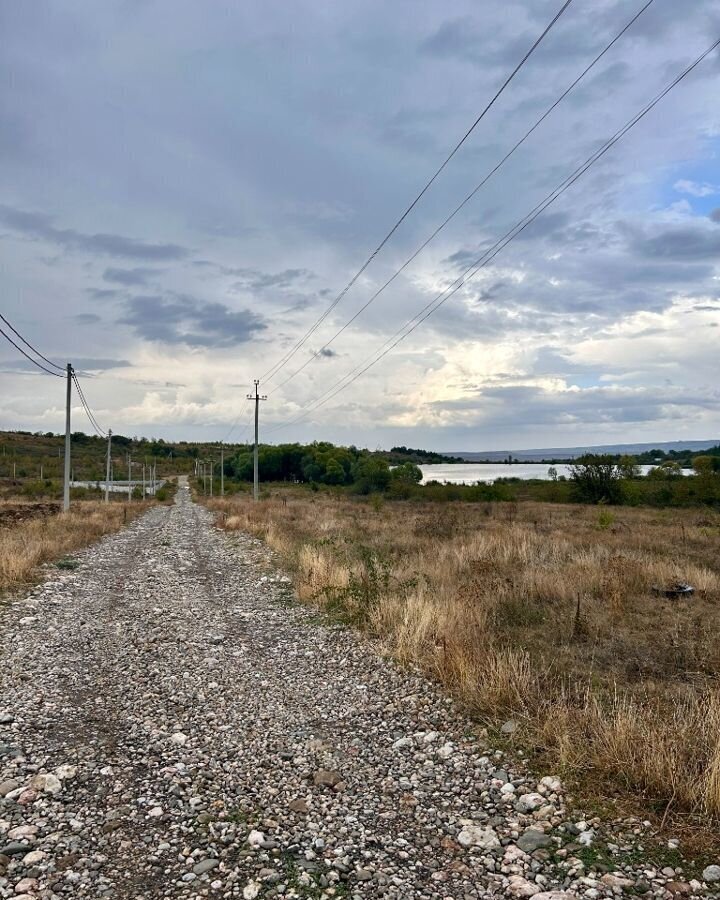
(171, 726)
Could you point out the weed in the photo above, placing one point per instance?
(536, 612)
(304, 885)
(47, 538)
(605, 518)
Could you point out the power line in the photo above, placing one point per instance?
(237, 419)
(37, 352)
(490, 254)
(273, 370)
(86, 407)
(467, 199)
(27, 355)
(28, 344)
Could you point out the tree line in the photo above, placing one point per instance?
(321, 463)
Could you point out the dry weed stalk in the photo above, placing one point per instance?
(28, 544)
(623, 688)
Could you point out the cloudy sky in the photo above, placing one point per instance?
(186, 187)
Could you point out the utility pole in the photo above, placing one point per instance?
(222, 471)
(212, 472)
(107, 467)
(129, 459)
(66, 473)
(257, 398)
(143, 494)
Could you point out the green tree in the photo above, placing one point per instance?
(334, 472)
(596, 479)
(628, 468)
(407, 473)
(666, 471)
(371, 474)
(706, 465)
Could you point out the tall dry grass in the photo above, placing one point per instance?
(541, 613)
(26, 545)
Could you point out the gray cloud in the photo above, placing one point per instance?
(185, 320)
(715, 215)
(102, 293)
(204, 162)
(461, 39)
(86, 319)
(95, 364)
(594, 406)
(253, 280)
(38, 226)
(130, 277)
(679, 242)
(80, 363)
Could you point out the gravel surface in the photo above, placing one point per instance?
(172, 725)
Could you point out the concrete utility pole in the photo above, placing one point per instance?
(143, 494)
(66, 473)
(107, 467)
(212, 472)
(129, 460)
(257, 398)
(222, 471)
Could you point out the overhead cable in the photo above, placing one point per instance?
(27, 355)
(451, 216)
(273, 370)
(86, 406)
(490, 254)
(28, 344)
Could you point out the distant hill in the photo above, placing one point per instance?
(558, 453)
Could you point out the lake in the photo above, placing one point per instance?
(471, 473)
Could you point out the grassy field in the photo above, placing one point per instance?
(35, 533)
(540, 613)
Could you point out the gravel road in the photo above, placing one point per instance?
(172, 725)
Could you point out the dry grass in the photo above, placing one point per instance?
(27, 544)
(538, 612)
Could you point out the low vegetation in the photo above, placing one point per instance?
(35, 459)
(32, 534)
(552, 616)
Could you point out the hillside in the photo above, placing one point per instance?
(34, 455)
(671, 449)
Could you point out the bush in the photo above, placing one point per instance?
(597, 479)
(407, 473)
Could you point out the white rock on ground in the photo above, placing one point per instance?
(173, 727)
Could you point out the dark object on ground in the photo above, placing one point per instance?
(674, 591)
(13, 514)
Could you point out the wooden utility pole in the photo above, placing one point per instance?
(107, 467)
(257, 398)
(66, 472)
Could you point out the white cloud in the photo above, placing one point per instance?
(695, 188)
